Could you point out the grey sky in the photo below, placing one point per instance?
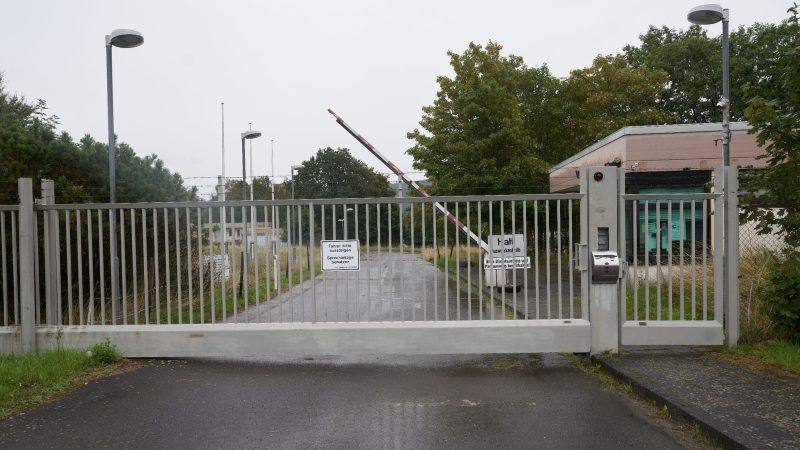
(280, 65)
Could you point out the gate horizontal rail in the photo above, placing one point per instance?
(305, 202)
(320, 339)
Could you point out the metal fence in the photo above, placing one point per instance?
(10, 280)
(758, 254)
(416, 263)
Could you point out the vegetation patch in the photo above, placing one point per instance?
(778, 353)
(31, 379)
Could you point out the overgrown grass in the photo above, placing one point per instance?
(780, 353)
(27, 380)
(755, 325)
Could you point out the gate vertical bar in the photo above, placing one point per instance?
(124, 291)
(135, 269)
(313, 261)
(27, 235)
(69, 266)
(156, 277)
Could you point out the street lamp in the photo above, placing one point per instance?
(274, 225)
(122, 39)
(294, 237)
(293, 168)
(344, 220)
(250, 134)
(707, 15)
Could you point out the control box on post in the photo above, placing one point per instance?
(605, 267)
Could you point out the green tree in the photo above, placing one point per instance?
(774, 115)
(693, 64)
(262, 189)
(492, 128)
(31, 147)
(609, 95)
(337, 174)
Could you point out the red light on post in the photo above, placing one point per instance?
(598, 176)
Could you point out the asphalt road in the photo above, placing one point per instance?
(372, 403)
(390, 286)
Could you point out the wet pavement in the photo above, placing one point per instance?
(488, 401)
(738, 405)
(543, 292)
(390, 286)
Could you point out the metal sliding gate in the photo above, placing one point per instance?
(499, 274)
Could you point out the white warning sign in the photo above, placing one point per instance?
(340, 255)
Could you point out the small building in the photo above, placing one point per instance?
(673, 158)
(234, 233)
(663, 159)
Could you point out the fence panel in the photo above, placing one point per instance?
(9, 289)
(261, 261)
(674, 252)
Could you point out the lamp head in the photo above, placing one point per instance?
(123, 38)
(705, 14)
(251, 134)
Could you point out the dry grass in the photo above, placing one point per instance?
(135, 305)
(754, 266)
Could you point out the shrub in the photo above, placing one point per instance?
(782, 292)
(104, 353)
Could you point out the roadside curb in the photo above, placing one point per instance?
(676, 411)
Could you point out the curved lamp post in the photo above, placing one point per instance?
(250, 134)
(708, 15)
(123, 39)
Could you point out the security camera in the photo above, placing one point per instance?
(722, 103)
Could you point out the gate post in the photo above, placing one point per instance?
(731, 244)
(27, 235)
(601, 187)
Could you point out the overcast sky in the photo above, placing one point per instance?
(281, 64)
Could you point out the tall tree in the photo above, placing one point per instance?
(775, 116)
(492, 127)
(31, 147)
(693, 63)
(337, 174)
(497, 126)
(262, 189)
(609, 95)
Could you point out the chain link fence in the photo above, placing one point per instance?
(758, 254)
